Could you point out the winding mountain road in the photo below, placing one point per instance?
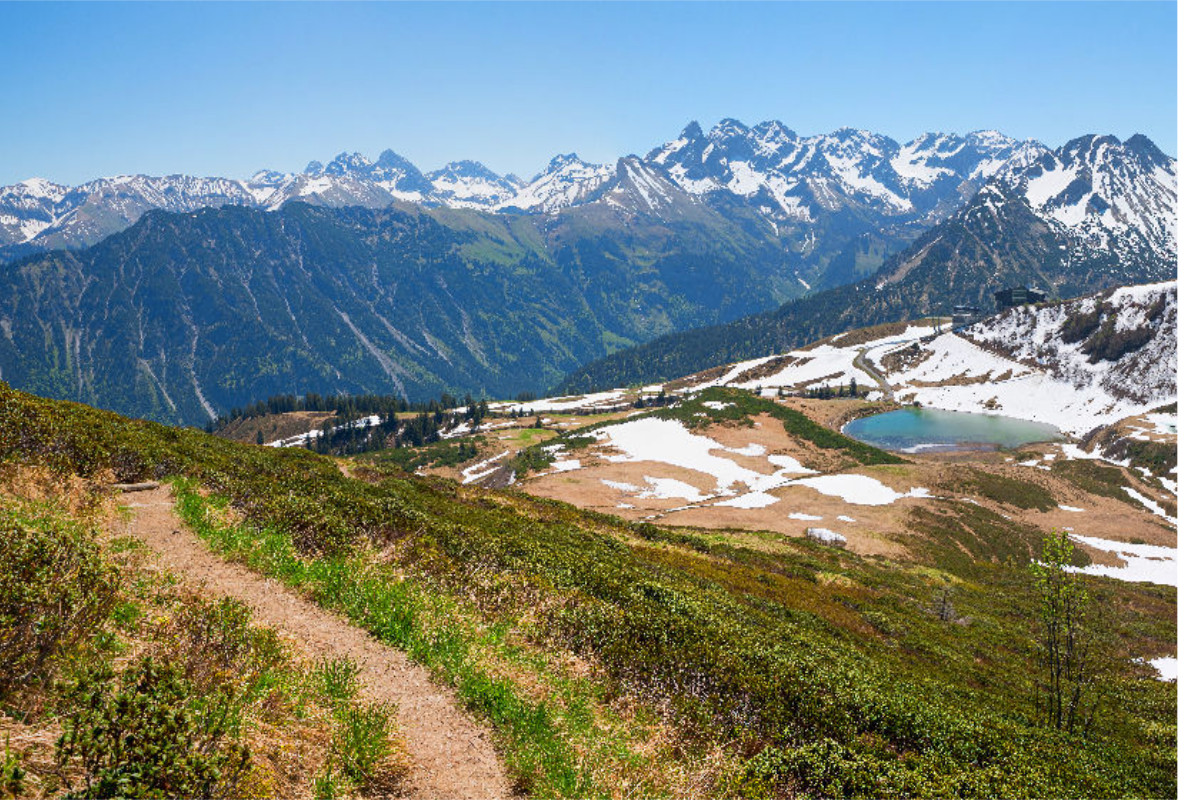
(861, 362)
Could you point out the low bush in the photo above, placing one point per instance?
(1006, 490)
(145, 732)
(55, 591)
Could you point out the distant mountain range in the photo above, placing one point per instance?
(373, 276)
(839, 202)
(183, 316)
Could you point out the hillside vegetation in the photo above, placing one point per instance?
(173, 318)
(618, 659)
(118, 682)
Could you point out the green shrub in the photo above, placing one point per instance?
(56, 589)
(1006, 490)
(361, 741)
(147, 733)
(12, 774)
(336, 680)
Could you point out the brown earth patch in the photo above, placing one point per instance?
(835, 412)
(863, 335)
(710, 374)
(771, 367)
(905, 358)
(957, 380)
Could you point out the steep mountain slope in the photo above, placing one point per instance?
(1121, 343)
(185, 315)
(1111, 199)
(1117, 229)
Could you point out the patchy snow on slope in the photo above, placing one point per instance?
(669, 442)
(669, 488)
(750, 500)
(597, 401)
(482, 469)
(1167, 666)
(1150, 504)
(1017, 364)
(1146, 374)
(824, 535)
(301, 439)
(1144, 563)
(861, 490)
(826, 363)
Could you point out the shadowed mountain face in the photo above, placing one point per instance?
(185, 315)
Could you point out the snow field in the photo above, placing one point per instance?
(484, 468)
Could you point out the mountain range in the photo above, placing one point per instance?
(840, 202)
(198, 295)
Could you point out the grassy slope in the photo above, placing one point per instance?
(155, 690)
(809, 668)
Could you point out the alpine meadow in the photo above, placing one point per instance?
(777, 458)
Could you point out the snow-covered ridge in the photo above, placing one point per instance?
(1101, 191)
(1075, 365)
(1123, 341)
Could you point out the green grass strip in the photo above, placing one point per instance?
(428, 627)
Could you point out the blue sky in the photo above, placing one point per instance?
(204, 88)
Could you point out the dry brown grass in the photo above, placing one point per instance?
(274, 426)
(87, 499)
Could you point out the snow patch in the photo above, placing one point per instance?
(860, 490)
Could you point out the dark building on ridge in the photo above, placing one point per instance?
(1017, 296)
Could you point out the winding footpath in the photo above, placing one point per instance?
(451, 756)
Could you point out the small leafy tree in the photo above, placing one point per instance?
(1068, 673)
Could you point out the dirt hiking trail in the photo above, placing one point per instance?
(451, 756)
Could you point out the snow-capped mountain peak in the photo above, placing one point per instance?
(469, 184)
(1109, 195)
(348, 164)
(567, 180)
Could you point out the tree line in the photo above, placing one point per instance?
(344, 406)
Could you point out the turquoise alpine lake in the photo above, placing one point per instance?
(915, 429)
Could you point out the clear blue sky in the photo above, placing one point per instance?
(205, 88)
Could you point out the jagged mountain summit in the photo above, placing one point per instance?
(796, 178)
(1107, 195)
